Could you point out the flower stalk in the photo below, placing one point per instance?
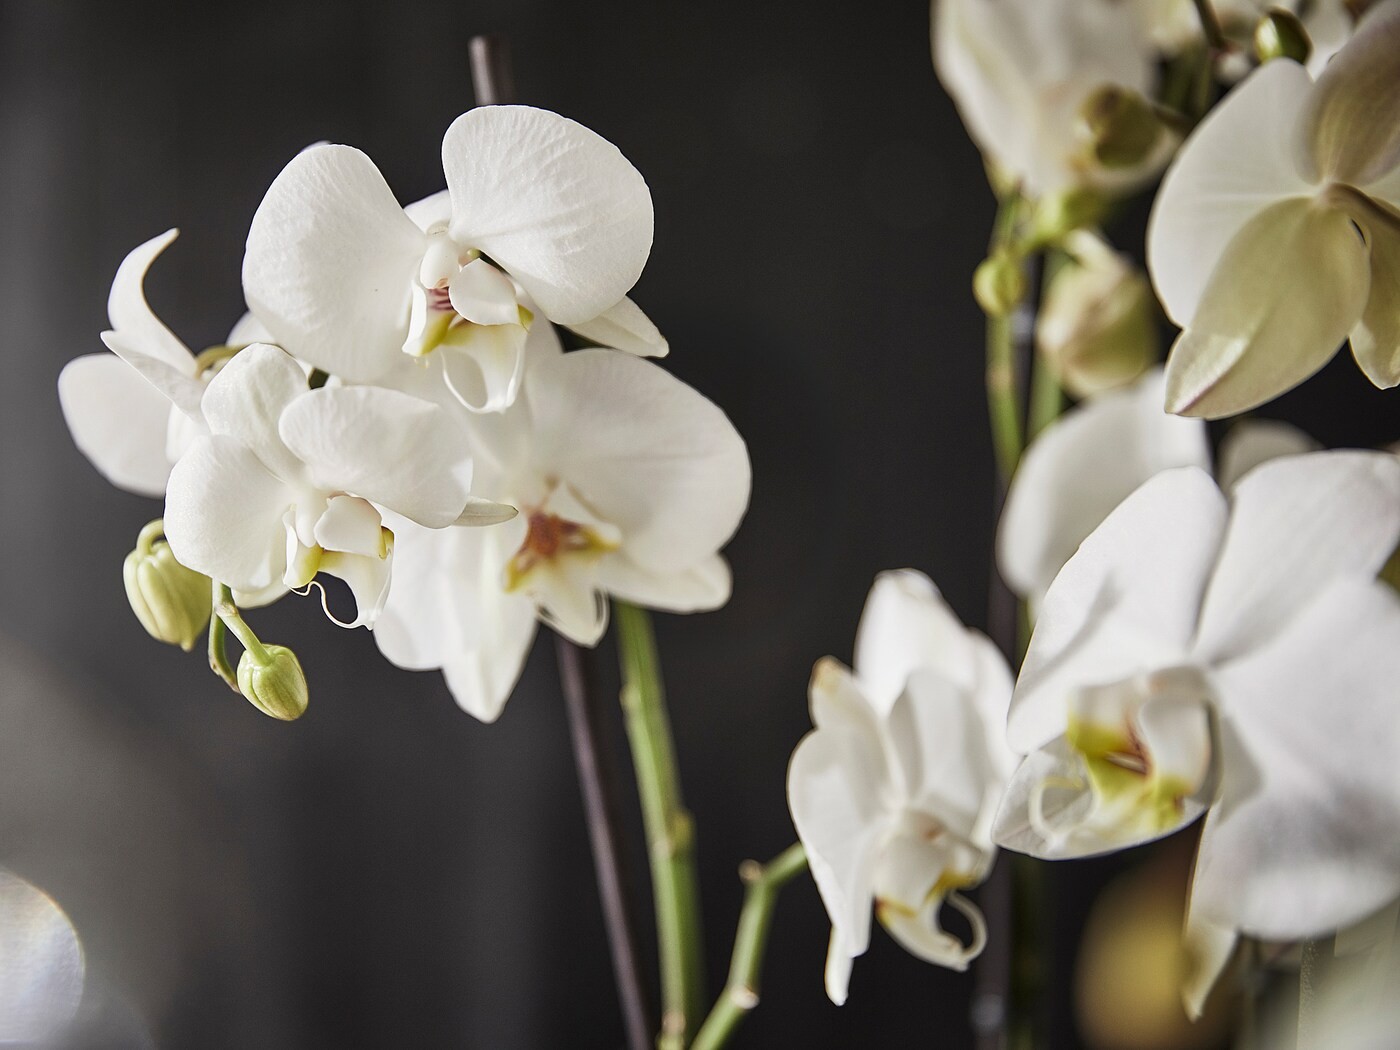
(762, 885)
(670, 832)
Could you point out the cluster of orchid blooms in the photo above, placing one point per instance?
(1211, 641)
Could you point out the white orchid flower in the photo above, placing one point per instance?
(1275, 235)
(288, 481)
(628, 483)
(536, 206)
(134, 413)
(1022, 73)
(894, 791)
(42, 970)
(1232, 657)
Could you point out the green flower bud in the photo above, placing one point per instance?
(172, 602)
(273, 682)
(999, 283)
(1060, 214)
(1279, 34)
(1097, 327)
(1121, 127)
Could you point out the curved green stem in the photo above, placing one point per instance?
(762, 884)
(218, 643)
(226, 611)
(670, 832)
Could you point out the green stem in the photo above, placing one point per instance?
(227, 611)
(762, 884)
(670, 832)
(218, 644)
(1047, 400)
(1002, 386)
(1210, 25)
(150, 532)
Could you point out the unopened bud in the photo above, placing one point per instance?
(273, 682)
(999, 283)
(1280, 34)
(1121, 127)
(1097, 327)
(1057, 215)
(172, 602)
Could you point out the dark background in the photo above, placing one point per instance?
(387, 872)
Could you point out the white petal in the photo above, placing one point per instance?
(178, 386)
(130, 315)
(447, 609)
(479, 512)
(1081, 467)
(330, 263)
(483, 294)
(836, 810)
(1375, 341)
(1297, 524)
(1209, 948)
(698, 589)
(42, 970)
(920, 934)
(248, 329)
(1285, 293)
(645, 451)
(623, 326)
(223, 514)
(351, 526)
(368, 577)
(1252, 442)
(837, 974)
(553, 203)
(907, 625)
(483, 364)
(118, 421)
(246, 401)
(395, 450)
(433, 212)
(1350, 133)
(568, 598)
(1238, 161)
(1126, 602)
(1306, 836)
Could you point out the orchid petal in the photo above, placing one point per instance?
(1350, 134)
(1306, 835)
(330, 263)
(1375, 341)
(224, 512)
(483, 364)
(644, 451)
(118, 420)
(1284, 295)
(703, 587)
(906, 625)
(131, 315)
(556, 205)
(483, 294)
(1081, 467)
(837, 973)
(1321, 516)
(623, 326)
(351, 526)
(431, 214)
(1127, 600)
(479, 512)
(567, 597)
(247, 398)
(178, 386)
(1250, 443)
(393, 449)
(248, 329)
(1209, 950)
(368, 579)
(1238, 162)
(919, 933)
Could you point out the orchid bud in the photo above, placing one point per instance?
(273, 682)
(1097, 327)
(999, 283)
(1122, 127)
(172, 602)
(1060, 214)
(1280, 34)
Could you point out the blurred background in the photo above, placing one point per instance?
(388, 872)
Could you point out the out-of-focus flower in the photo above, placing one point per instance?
(1238, 658)
(1275, 234)
(133, 414)
(1053, 91)
(289, 481)
(628, 483)
(1081, 467)
(894, 790)
(1097, 327)
(536, 207)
